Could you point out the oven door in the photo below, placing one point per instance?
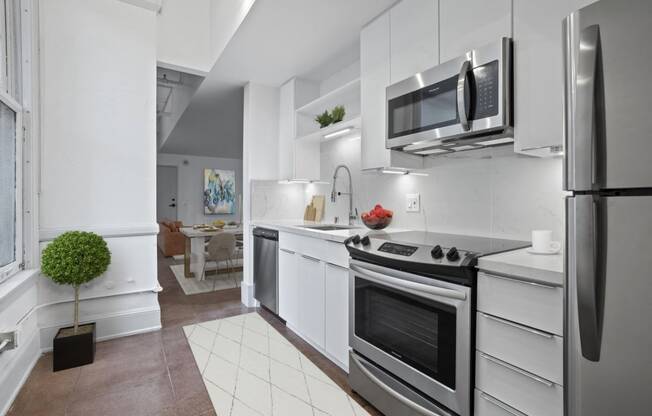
(416, 328)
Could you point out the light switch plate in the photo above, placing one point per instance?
(412, 203)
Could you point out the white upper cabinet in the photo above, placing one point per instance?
(297, 160)
(467, 24)
(414, 38)
(375, 76)
(538, 73)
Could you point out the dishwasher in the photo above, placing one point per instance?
(266, 268)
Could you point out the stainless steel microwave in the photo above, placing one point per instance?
(461, 104)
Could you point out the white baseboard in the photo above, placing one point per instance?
(247, 295)
(109, 326)
(21, 368)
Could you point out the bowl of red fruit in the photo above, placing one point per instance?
(377, 218)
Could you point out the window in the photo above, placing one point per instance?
(10, 187)
(11, 161)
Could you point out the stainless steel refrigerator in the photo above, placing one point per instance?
(608, 170)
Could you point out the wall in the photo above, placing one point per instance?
(190, 198)
(98, 158)
(183, 29)
(192, 34)
(493, 192)
(259, 160)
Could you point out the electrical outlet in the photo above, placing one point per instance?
(412, 203)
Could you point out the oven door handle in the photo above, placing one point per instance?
(407, 402)
(417, 289)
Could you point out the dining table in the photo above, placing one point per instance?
(195, 246)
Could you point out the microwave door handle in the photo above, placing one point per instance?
(461, 95)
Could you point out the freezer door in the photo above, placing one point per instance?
(609, 134)
(617, 381)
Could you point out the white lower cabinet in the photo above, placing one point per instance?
(288, 287)
(311, 299)
(336, 313)
(314, 293)
(519, 358)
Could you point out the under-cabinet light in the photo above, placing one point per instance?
(338, 133)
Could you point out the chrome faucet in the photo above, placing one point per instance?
(334, 194)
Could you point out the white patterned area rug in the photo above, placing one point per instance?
(192, 286)
(250, 369)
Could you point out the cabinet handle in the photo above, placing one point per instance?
(515, 325)
(500, 404)
(310, 258)
(287, 251)
(517, 370)
(521, 281)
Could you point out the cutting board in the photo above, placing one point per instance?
(319, 202)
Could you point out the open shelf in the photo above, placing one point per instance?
(352, 123)
(345, 95)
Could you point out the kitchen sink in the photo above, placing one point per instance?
(330, 227)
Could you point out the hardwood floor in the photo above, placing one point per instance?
(153, 373)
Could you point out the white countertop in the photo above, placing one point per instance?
(297, 227)
(544, 268)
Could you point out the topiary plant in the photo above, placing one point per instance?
(75, 258)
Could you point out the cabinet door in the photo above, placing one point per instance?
(288, 287)
(336, 308)
(538, 73)
(311, 299)
(374, 78)
(414, 38)
(286, 131)
(467, 24)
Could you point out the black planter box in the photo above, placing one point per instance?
(74, 350)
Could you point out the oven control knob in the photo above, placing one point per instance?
(453, 254)
(365, 240)
(437, 252)
(356, 239)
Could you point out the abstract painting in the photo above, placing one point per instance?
(219, 191)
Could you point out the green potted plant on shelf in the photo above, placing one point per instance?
(337, 114)
(75, 258)
(324, 119)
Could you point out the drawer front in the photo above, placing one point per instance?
(517, 388)
(312, 247)
(533, 304)
(533, 350)
(486, 405)
(336, 253)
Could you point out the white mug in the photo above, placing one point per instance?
(542, 242)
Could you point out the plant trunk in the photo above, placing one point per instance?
(76, 321)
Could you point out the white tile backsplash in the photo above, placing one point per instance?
(491, 192)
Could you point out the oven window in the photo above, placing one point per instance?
(418, 331)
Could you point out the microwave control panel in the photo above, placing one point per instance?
(485, 103)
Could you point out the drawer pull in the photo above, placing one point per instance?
(521, 327)
(287, 251)
(521, 281)
(500, 404)
(517, 370)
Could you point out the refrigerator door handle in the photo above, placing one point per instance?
(589, 272)
(589, 115)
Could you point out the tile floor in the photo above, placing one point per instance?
(249, 368)
(154, 373)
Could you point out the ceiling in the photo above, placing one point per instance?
(278, 39)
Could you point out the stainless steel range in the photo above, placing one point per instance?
(412, 307)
